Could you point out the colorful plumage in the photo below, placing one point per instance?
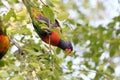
(4, 40)
(42, 26)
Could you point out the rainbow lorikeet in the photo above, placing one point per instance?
(4, 40)
(42, 26)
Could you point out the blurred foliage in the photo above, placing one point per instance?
(35, 60)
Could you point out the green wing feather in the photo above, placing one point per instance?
(34, 14)
(40, 22)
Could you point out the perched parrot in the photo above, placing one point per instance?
(42, 26)
(4, 40)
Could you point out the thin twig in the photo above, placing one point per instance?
(50, 49)
(49, 40)
(16, 44)
(43, 2)
(51, 55)
(3, 12)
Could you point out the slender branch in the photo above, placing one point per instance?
(43, 2)
(16, 44)
(2, 12)
(51, 55)
(49, 41)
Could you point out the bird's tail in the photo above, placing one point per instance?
(33, 9)
(34, 12)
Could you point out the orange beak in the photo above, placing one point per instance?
(68, 51)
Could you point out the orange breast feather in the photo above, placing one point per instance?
(54, 39)
(4, 44)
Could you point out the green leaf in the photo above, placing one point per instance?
(98, 76)
(111, 69)
(109, 76)
(112, 52)
(62, 16)
(13, 1)
(31, 52)
(117, 19)
(101, 67)
(34, 64)
(49, 3)
(45, 73)
(69, 64)
(1, 4)
(118, 32)
(47, 11)
(23, 30)
(111, 25)
(13, 67)
(17, 77)
(2, 63)
(3, 74)
(96, 60)
(11, 13)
